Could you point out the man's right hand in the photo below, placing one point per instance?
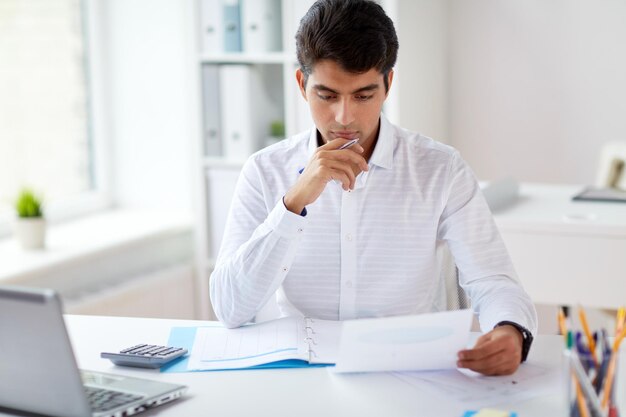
(327, 164)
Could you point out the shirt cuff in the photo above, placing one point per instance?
(284, 222)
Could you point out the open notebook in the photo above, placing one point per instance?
(416, 342)
(283, 343)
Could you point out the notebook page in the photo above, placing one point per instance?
(217, 348)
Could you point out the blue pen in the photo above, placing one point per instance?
(583, 353)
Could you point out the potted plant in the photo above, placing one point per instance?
(30, 227)
(277, 132)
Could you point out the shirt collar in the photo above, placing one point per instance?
(383, 151)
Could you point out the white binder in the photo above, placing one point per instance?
(241, 124)
(299, 9)
(211, 22)
(212, 132)
(261, 25)
(304, 121)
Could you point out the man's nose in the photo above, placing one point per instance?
(344, 113)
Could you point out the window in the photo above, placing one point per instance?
(45, 140)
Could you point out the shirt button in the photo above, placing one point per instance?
(349, 236)
(285, 269)
(299, 230)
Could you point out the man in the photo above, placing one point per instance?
(350, 233)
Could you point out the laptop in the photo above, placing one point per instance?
(38, 371)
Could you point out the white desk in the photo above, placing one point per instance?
(289, 392)
(567, 252)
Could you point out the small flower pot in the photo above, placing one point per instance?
(31, 232)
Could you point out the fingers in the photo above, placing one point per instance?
(501, 365)
(493, 354)
(345, 155)
(334, 170)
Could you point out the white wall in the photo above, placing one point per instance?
(533, 88)
(149, 70)
(421, 73)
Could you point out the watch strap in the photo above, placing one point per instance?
(527, 337)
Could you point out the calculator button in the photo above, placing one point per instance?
(160, 350)
(132, 348)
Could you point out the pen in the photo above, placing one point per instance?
(348, 144)
(608, 385)
(619, 325)
(562, 325)
(592, 344)
(580, 399)
(344, 146)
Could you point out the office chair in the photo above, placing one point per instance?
(451, 295)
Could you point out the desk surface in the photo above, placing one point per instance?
(289, 392)
(550, 209)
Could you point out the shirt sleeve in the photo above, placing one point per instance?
(485, 268)
(257, 250)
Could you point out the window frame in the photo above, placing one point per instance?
(99, 198)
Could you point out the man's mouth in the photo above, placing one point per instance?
(345, 134)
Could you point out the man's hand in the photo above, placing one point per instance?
(498, 352)
(327, 164)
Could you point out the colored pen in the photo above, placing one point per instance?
(562, 325)
(619, 324)
(585, 324)
(611, 372)
(348, 144)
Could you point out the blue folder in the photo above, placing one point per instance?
(185, 336)
(232, 28)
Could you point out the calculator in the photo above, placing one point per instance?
(145, 356)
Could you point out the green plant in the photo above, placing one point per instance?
(28, 204)
(277, 129)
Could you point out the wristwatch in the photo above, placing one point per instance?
(527, 337)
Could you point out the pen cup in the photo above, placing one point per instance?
(583, 391)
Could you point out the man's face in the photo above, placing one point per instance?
(344, 104)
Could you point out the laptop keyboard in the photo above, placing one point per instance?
(102, 399)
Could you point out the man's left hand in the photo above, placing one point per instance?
(498, 352)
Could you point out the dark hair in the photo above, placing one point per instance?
(356, 34)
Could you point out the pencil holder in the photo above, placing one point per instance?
(586, 386)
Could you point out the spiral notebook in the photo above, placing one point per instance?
(283, 343)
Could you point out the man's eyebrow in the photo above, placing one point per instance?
(322, 87)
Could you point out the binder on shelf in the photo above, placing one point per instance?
(304, 121)
(212, 143)
(211, 23)
(299, 9)
(247, 108)
(232, 25)
(261, 25)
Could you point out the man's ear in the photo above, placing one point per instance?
(390, 79)
(300, 79)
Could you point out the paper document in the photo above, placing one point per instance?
(291, 338)
(420, 342)
(476, 391)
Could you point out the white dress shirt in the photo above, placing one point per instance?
(370, 252)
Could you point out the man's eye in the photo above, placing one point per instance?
(326, 97)
(363, 97)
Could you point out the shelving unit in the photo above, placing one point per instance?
(217, 170)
